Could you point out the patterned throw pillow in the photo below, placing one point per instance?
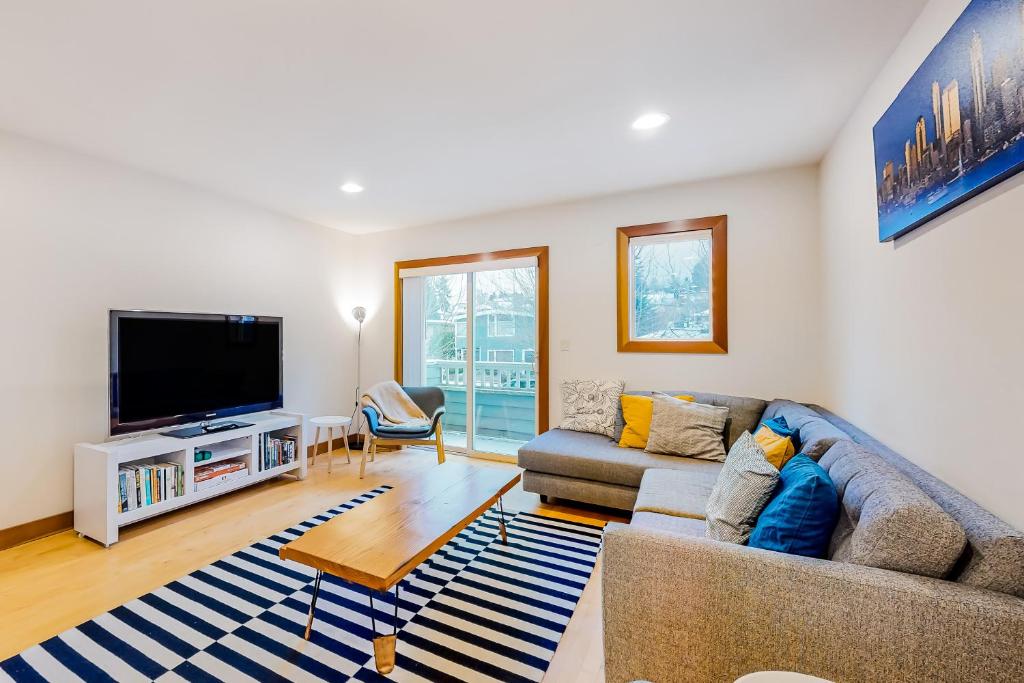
(689, 429)
(591, 405)
(744, 487)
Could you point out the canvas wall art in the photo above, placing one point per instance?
(957, 127)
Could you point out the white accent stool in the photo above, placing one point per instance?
(330, 423)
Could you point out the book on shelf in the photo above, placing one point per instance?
(122, 490)
(142, 485)
(210, 476)
(223, 479)
(218, 468)
(276, 451)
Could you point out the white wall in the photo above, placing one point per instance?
(774, 336)
(924, 336)
(78, 237)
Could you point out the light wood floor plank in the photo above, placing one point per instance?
(54, 583)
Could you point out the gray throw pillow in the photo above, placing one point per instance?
(744, 487)
(591, 405)
(685, 428)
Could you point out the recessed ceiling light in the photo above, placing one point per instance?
(654, 119)
(351, 188)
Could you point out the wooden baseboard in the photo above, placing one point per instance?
(354, 444)
(30, 531)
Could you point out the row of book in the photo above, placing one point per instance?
(277, 451)
(142, 485)
(209, 476)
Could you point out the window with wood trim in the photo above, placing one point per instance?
(671, 281)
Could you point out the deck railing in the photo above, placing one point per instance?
(489, 375)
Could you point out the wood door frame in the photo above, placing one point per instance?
(719, 342)
(543, 362)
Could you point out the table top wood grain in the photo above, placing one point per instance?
(378, 542)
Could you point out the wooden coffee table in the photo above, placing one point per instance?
(378, 542)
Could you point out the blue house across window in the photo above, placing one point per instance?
(504, 356)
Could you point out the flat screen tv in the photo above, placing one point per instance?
(176, 368)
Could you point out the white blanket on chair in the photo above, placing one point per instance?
(394, 405)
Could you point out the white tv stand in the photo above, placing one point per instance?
(96, 466)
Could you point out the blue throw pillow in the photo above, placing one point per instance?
(801, 516)
(782, 428)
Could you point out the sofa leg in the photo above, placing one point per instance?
(545, 499)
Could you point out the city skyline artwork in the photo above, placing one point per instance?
(957, 126)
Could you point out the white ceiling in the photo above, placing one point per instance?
(441, 108)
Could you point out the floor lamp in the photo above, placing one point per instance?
(355, 437)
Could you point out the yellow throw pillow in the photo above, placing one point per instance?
(637, 411)
(777, 449)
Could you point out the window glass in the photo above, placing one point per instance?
(501, 325)
(670, 286)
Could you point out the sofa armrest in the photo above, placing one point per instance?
(684, 608)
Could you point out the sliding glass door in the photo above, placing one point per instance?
(504, 355)
(473, 330)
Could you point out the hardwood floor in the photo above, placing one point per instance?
(54, 583)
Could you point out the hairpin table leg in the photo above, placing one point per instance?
(384, 646)
(501, 522)
(312, 603)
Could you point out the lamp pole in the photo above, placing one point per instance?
(359, 313)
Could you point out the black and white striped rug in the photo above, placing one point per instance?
(476, 610)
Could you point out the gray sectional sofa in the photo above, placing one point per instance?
(921, 583)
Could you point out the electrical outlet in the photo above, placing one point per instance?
(563, 345)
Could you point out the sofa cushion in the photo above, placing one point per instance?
(778, 449)
(637, 412)
(886, 521)
(994, 557)
(689, 429)
(744, 413)
(743, 488)
(814, 432)
(598, 458)
(779, 425)
(674, 492)
(591, 405)
(677, 525)
(801, 516)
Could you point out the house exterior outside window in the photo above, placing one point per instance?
(501, 325)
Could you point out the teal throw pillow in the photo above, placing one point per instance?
(801, 516)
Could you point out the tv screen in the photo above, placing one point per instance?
(174, 368)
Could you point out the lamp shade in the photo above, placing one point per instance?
(359, 313)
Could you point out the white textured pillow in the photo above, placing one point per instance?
(591, 405)
(744, 487)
